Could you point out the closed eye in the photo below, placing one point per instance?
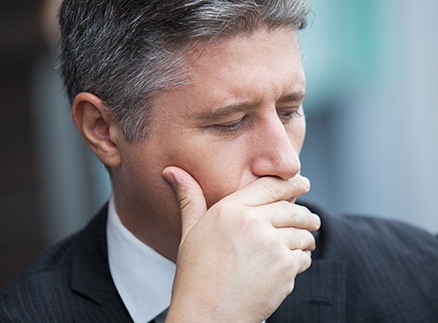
(232, 126)
(288, 114)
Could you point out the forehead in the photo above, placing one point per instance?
(261, 46)
(265, 65)
(263, 56)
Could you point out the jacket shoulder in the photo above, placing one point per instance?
(363, 235)
(391, 267)
(43, 291)
(33, 291)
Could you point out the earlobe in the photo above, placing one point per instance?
(98, 129)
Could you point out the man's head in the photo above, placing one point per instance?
(126, 51)
(212, 87)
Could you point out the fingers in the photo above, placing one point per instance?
(286, 214)
(267, 195)
(301, 260)
(271, 189)
(190, 197)
(297, 239)
(300, 245)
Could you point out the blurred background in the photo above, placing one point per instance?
(372, 138)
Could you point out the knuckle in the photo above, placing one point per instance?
(306, 218)
(302, 185)
(302, 261)
(222, 210)
(270, 187)
(304, 240)
(290, 287)
(184, 202)
(246, 219)
(249, 223)
(300, 239)
(295, 214)
(288, 207)
(307, 260)
(268, 242)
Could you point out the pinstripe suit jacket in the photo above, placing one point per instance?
(364, 270)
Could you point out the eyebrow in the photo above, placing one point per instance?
(293, 97)
(233, 108)
(226, 111)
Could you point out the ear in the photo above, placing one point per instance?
(99, 130)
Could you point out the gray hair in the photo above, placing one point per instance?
(127, 51)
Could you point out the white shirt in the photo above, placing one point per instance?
(143, 277)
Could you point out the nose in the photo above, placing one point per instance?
(273, 152)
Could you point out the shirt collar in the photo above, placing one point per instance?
(143, 277)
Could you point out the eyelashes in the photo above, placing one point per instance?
(290, 114)
(286, 116)
(233, 126)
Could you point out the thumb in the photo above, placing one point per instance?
(190, 197)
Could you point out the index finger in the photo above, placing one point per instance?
(271, 189)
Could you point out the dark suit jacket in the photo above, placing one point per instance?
(364, 270)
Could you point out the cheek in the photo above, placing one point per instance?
(218, 184)
(219, 168)
(297, 134)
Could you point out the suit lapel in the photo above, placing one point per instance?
(91, 277)
(319, 295)
(320, 292)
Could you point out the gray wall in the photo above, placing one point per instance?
(372, 124)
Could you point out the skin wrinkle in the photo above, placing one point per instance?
(192, 190)
(145, 60)
(220, 163)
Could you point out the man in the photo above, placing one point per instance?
(195, 108)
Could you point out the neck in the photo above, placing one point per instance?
(150, 223)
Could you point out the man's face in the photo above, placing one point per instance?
(239, 118)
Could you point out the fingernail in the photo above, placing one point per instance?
(317, 218)
(306, 182)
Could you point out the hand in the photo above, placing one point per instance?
(238, 260)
